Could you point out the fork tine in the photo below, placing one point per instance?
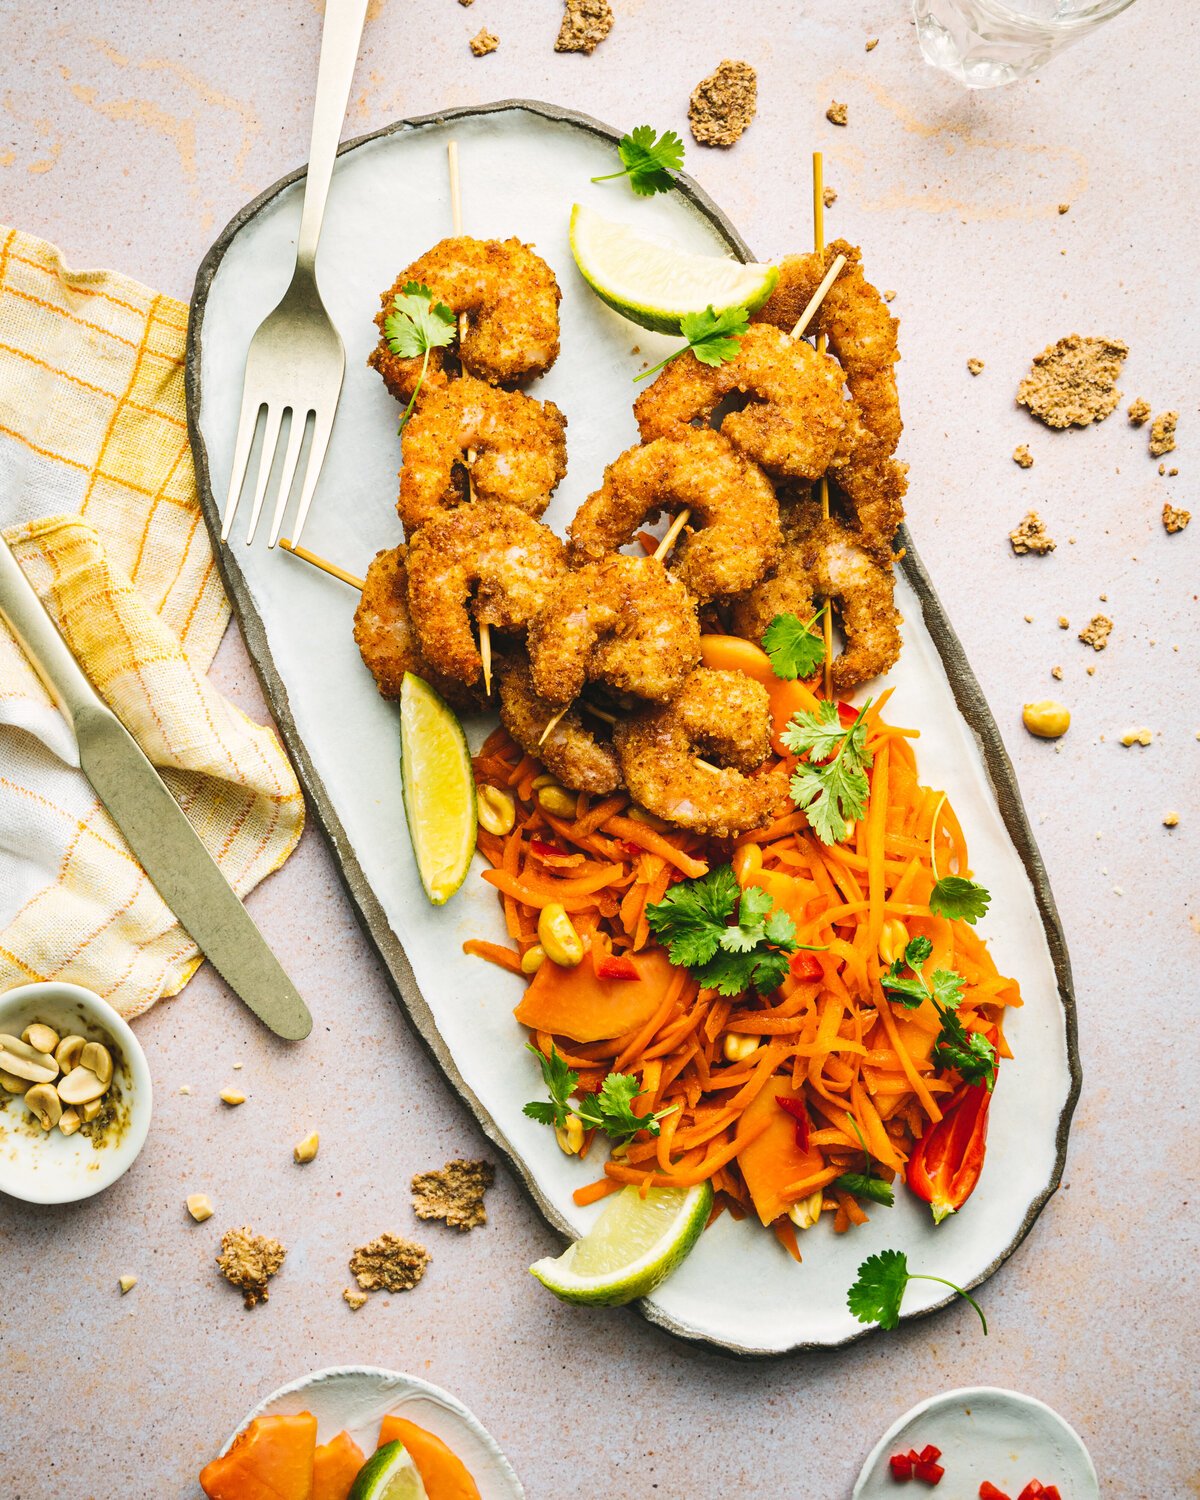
(266, 460)
(288, 473)
(322, 427)
(247, 422)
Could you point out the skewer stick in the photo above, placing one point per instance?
(554, 722)
(817, 298)
(323, 564)
(668, 541)
(819, 246)
(556, 719)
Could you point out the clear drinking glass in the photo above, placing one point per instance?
(984, 43)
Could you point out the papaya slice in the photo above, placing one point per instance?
(574, 1003)
(774, 1161)
(271, 1460)
(442, 1472)
(335, 1467)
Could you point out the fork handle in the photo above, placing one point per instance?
(340, 38)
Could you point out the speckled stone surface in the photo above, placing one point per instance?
(129, 134)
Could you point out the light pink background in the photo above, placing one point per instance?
(129, 134)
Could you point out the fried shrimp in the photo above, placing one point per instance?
(721, 716)
(854, 318)
(623, 621)
(733, 537)
(873, 487)
(511, 298)
(521, 452)
(575, 751)
(507, 558)
(383, 632)
(823, 560)
(793, 424)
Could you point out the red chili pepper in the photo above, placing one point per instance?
(805, 966)
(929, 1454)
(931, 1473)
(946, 1164)
(901, 1464)
(1050, 1492)
(796, 1108)
(847, 713)
(607, 965)
(1032, 1491)
(988, 1491)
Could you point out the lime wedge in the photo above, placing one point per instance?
(389, 1474)
(652, 281)
(634, 1245)
(439, 789)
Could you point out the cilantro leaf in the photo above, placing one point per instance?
(817, 734)
(415, 325)
(876, 1295)
(544, 1114)
(969, 1053)
(793, 648)
(831, 786)
(917, 952)
(713, 337)
(692, 915)
(862, 1185)
(909, 992)
(648, 161)
(561, 1082)
(614, 1107)
(947, 989)
(959, 899)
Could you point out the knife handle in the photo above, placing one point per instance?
(37, 635)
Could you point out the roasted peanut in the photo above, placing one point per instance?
(1047, 719)
(69, 1121)
(66, 1054)
(96, 1058)
(12, 1083)
(25, 1061)
(806, 1213)
(893, 939)
(557, 935)
(199, 1207)
(80, 1086)
(570, 1136)
(41, 1036)
(43, 1100)
(231, 1096)
(557, 801)
(496, 810)
(738, 1046)
(126, 1283)
(306, 1149)
(747, 859)
(91, 1110)
(532, 959)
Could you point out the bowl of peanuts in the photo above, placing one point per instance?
(75, 1094)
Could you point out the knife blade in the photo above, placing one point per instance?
(164, 843)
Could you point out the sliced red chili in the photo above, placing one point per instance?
(847, 713)
(1050, 1492)
(930, 1473)
(988, 1491)
(948, 1159)
(805, 966)
(901, 1464)
(1032, 1491)
(607, 965)
(929, 1454)
(799, 1112)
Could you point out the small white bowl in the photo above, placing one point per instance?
(49, 1167)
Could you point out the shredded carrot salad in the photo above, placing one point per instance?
(858, 1065)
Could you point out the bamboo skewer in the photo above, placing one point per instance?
(816, 299)
(668, 541)
(819, 246)
(323, 564)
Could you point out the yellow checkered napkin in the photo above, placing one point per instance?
(98, 500)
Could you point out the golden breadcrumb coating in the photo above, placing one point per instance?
(577, 750)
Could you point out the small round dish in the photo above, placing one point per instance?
(356, 1398)
(985, 1432)
(48, 1167)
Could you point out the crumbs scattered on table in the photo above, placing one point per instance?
(889, 296)
(248, 1261)
(306, 1150)
(232, 1097)
(1074, 381)
(723, 104)
(1162, 434)
(1091, 671)
(1096, 632)
(1023, 456)
(466, 2)
(127, 1283)
(1031, 536)
(1175, 518)
(1139, 412)
(354, 1298)
(585, 24)
(837, 114)
(1137, 737)
(199, 1206)
(389, 1264)
(486, 41)
(454, 1194)
(1063, 207)
(1029, 619)
(974, 365)
(1171, 820)
(1063, 623)
(1056, 672)
(872, 43)
(1171, 473)
(828, 197)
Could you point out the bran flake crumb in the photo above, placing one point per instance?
(1023, 456)
(484, 42)
(828, 197)
(1063, 207)
(454, 1194)
(889, 296)
(1095, 634)
(1031, 536)
(837, 114)
(248, 1261)
(723, 104)
(1073, 382)
(1056, 672)
(974, 365)
(466, 2)
(1175, 518)
(1063, 623)
(356, 1299)
(1162, 468)
(872, 43)
(1091, 671)
(1171, 473)
(585, 24)
(1137, 737)
(1162, 434)
(1139, 412)
(1171, 820)
(390, 1264)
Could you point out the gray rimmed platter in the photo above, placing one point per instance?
(523, 165)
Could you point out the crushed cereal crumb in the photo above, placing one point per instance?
(1063, 623)
(974, 365)
(486, 41)
(872, 43)
(389, 1263)
(889, 296)
(1031, 536)
(466, 2)
(1063, 207)
(1091, 671)
(1137, 737)
(1056, 672)
(1175, 518)
(1096, 632)
(1162, 434)
(1029, 619)
(723, 104)
(1139, 412)
(837, 114)
(454, 1194)
(1162, 468)
(1074, 381)
(248, 1261)
(585, 24)
(356, 1299)
(1171, 473)
(828, 197)
(1171, 820)
(1023, 456)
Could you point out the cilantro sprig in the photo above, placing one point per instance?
(693, 919)
(954, 896)
(862, 1184)
(831, 785)
(876, 1295)
(713, 337)
(648, 161)
(415, 325)
(611, 1110)
(793, 648)
(968, 1052)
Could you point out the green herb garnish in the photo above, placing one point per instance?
(875, 1297)
(648, 161)
(415, 325)
(953, 896)
(968, 1052)
(831, 786)
(611, 1110)
(713, 337)
(793, 648)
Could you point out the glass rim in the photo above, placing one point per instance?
(1099, 10)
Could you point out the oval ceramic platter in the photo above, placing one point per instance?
(356, 1398)
(523, 165)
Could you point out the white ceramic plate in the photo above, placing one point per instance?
(522, 167)
(356, 1398)
(984, 1433)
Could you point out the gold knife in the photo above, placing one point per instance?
(165, 844)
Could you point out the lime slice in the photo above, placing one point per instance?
(439, 788)
(652, 281)
(634, 1245)
(389, 1474)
